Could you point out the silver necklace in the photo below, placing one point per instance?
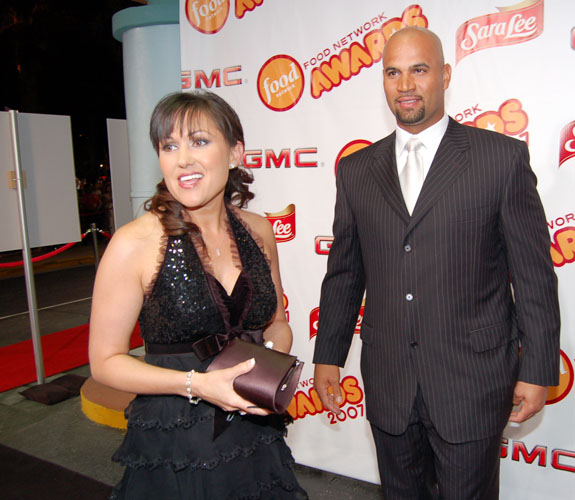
(218, 246)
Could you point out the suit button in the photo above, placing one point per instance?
(407, 248)
(413, 344)
(409, 297)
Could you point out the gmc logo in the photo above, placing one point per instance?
(256, 158)
(559, 459)
(323, 244)
(201, 79)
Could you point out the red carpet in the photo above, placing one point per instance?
(62, 351)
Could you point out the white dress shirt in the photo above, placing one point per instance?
(430, 138)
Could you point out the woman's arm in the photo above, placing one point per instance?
(278, 331)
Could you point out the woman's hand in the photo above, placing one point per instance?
(217, 387)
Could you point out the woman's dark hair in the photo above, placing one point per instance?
(182, 110)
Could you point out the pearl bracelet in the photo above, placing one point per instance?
(194, 400)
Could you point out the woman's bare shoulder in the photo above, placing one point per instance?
(137, 237)
(257, 222)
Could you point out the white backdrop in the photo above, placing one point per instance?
(305, 78)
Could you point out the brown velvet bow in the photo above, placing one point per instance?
(210, 346)
(213, 344)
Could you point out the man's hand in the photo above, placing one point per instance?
(530, 398)
(326, 384)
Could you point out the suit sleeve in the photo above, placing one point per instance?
(344, 283)
(533, 278)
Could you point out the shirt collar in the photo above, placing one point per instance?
(430, 137)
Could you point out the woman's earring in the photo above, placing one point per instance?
(232, 166)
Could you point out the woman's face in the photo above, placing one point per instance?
(195, 164)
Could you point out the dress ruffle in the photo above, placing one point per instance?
(169, 447)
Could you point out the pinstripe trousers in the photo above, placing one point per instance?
(419, 464)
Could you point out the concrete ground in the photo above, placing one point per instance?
(61, 433)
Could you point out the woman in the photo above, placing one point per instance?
(192, 266)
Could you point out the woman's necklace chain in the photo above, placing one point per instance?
(219, 245)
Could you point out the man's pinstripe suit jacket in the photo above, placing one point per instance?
(440, 310)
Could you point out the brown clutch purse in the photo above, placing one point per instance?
(273, 380)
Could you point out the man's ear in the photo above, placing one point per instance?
(446, 76)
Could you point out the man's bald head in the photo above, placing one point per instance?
(404, 35)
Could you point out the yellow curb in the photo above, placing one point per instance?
(102, 415)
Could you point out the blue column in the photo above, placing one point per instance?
(150, 35)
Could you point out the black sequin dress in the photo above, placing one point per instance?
(169, 449)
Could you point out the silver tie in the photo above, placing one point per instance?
(411, 177)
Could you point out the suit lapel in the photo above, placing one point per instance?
(449, 163)
(384, 171)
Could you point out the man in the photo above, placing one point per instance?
(449, 345)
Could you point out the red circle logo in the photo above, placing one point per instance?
(566, 376)
(349, 148)
(280, 83)
(207, 16)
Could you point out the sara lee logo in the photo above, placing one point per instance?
(286, 304)
(218, 77)
(509, 119)
(566, 376)
(307, 403)
(567, 150)
(539, 455)
(283, 223)
(563, 243)
(207, 16)
(280, 83)
(511, 25)
(314, 321)
(300, 157)
(242, 6)
(349, 148)
(348, 62)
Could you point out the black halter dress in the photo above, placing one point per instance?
(169, 449)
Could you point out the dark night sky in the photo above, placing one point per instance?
(59, 57)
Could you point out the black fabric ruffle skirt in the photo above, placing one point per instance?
(169, 451)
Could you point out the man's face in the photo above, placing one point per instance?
(415, 79)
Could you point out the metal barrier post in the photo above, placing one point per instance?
(27, 255)
(94, 231)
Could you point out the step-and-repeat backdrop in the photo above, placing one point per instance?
(306, 79)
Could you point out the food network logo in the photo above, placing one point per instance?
(509, 119)
(210, 16)
(563, 239)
